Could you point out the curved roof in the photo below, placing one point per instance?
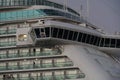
(35, 13)
(21, 3)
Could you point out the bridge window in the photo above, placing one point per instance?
(95, 40)
(37, 32)
(70, 35)
(80, 37)
(98, 41)
(91, 39)
(65, 35)
(113, 43)
(42, 33)
(47, 32)
(118, 43)
(75, 36)
(107, 42)
(60, 33)
(54, 32)
(84, 37)
(102, 42)
(88, 38)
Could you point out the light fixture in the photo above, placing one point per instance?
(22, 37)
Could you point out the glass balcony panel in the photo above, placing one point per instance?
(29, 14)
(12, 43)
(12, 31)
(2, 44)
(47, 77)
(75, 76)
(24, 54)
(13, 67)
(62, 64)
(69, 63)
(47, 65)
(2, 56)
(59, 77)
(12, 55)
(2, 68)
(24, 78)
(37, 66)
(71, 76)
(3, 32)
(33, 66)
(44, 54)
(34, 78)
(37, 53)
(26, 66)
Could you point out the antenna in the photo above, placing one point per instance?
(81, 8)
(65, 4)
(87, 15)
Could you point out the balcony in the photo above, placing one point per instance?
(27, 54)
(36, 66)
(11, 31)
(4, 44)
(75, 76)
(48, 77)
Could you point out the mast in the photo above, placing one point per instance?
(65, 4)
(87, 15)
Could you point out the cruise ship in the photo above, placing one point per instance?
(46, 40)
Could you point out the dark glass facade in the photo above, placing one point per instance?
(77, 36)
(35, 13)
(5, 3)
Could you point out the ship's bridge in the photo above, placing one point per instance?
(49, 33)
(52, 36)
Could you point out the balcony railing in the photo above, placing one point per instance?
(48, 77)
(11, 31)
(27, 54)
(35, 66)
(73, 76)
(4, 44)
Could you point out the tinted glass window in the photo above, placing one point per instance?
(80, 37)
(37, 32)
(107, 42)
(112, 44)
(65, 35)
(118, 43)
(95, 40)
(60, 33)
(102, 42)
(91, 39)
(70, 35)
(75, 36)
(88, 38)
(84, 37)
(54, 32)
(98, 41)
(47, 32)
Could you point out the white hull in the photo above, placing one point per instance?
(88, 62)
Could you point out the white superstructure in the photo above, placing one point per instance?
(41, 40)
